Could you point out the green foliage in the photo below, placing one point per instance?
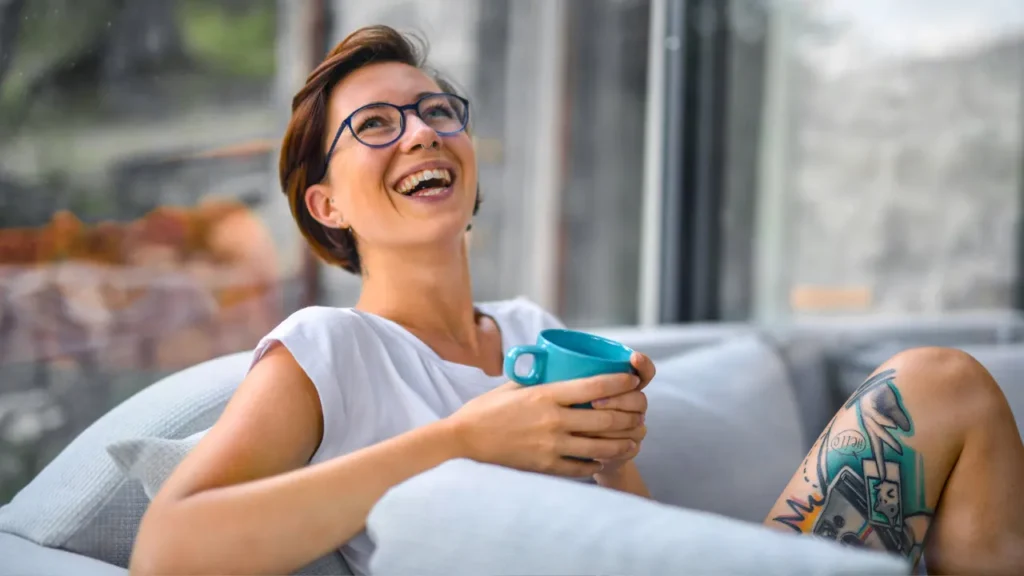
(232, 40)
(53, 34)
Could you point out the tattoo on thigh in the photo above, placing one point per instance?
(867, 486)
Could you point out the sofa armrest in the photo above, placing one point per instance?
(469, 518)
(26, 558)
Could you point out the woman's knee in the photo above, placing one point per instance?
(950, 376)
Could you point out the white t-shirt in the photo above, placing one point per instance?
(377, 380)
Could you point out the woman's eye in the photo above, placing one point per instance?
(369, 124)
(440, 112)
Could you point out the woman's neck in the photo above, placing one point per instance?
(430, 296)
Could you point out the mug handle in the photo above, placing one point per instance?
(536, 374)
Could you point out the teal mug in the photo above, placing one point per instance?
(562, 355)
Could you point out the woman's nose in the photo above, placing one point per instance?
(418, 134)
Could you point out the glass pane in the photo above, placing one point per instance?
(604, 179)
(136, 175)
(891, 157)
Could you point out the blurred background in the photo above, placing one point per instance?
(642, 162)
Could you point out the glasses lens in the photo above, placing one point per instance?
(444, 113)
(377, 125)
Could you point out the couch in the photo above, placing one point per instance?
(733, 410)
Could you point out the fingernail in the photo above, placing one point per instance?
(632, 445)
(600, 403)
(636, 381)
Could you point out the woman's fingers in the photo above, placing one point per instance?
(644, 368)
(636, 434)
(581, 420)
(595, 448)
(634, 401)
(574, 468)
(587, 390)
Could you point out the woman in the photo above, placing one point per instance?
(342, 404)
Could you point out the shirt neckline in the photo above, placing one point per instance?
(485, 308)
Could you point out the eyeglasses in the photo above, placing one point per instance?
(380, 124)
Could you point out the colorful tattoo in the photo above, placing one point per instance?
(867, 485)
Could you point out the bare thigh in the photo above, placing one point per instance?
(924, 458)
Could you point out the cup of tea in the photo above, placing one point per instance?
(562, 355)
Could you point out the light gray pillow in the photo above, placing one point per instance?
(81, 502)
(470, 518)
(150, 461)
(723, 430)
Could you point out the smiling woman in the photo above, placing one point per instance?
(304, 163)
(342, 404)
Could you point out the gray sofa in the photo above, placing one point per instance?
(732, 412)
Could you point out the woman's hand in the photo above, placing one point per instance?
(633, 402)
(535, 428)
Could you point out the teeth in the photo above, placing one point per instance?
(410, 181)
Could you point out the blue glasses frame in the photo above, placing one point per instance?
(415, 107)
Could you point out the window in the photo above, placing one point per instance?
(136, 178)
(890, 161)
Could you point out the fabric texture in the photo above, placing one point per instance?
(81, 501)
(723, 430)
(469, 518)
(20, 557)
(150, 461)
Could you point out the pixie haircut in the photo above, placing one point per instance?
(303, 150)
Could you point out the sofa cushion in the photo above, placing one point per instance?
(81, 502)
(723, 430)
(807, 366)
(150, 462)
(24, 558)
(664, 342)
(470, 518)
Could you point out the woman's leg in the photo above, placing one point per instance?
(925, 455)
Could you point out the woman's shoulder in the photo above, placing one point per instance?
(329, 345)
(320, 319)
(320, 335)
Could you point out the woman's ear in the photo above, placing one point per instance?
(322, 206)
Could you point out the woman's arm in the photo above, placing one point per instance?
(243, 503)
(625, 478)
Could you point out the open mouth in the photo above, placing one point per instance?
(426, 182)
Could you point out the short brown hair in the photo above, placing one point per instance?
(302, 161)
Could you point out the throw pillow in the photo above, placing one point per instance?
(150, 461)
(81, 502)
(723, 430)
(470, 518)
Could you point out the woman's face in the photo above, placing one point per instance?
(368, 189)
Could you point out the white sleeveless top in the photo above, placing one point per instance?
(377, 380)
